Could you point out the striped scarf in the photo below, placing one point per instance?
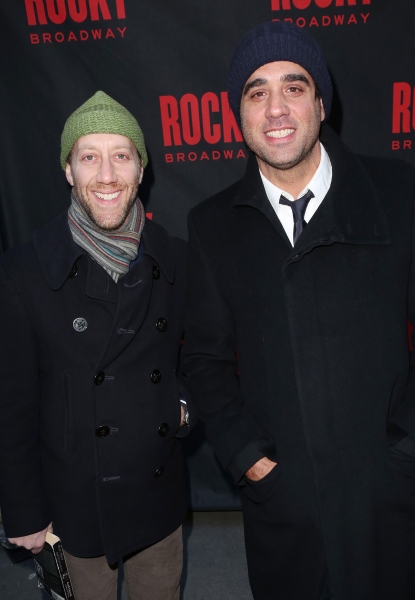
(113, 250)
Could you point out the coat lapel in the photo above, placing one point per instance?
(252, 193)
(135, 291)
(353, 198)
(56, 251)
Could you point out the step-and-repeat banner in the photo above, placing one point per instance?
(167, 62)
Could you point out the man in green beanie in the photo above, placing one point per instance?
(91, 406)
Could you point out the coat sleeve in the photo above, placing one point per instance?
(210, 367)
(401, 417)
(405, 414)
(21, 498)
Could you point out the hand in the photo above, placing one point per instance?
(260, 469)
(34, 541)
(182, 417)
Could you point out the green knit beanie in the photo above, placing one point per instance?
(101, 114)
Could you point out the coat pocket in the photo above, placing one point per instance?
(403, 463)
(405, 446)
(262, 490)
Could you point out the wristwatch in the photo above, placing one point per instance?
(186, 418)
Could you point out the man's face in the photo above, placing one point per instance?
(281, 115)
(105, 173)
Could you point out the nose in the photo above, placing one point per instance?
(276, 106)
(106, 173)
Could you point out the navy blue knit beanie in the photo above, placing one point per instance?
(270, 42)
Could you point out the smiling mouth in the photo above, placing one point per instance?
(280, 133)
(107, 196)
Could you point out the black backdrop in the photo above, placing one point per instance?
(166, 61)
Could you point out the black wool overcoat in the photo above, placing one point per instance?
(89, 416)
(301, 354)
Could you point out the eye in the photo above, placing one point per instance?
(122, 156)
(88, 158)
(258, 94)
(293, 89)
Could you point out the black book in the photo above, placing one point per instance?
(51, 570)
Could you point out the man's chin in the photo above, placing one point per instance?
(109, 224)
(285, 162)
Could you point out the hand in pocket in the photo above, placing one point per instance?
(260, 469)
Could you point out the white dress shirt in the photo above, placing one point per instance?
(319, 185)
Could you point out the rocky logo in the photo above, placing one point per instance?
(69, 12)
(403, 115)
(336, 12)
(301, 4)
(190, 121)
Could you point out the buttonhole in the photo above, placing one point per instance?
(113, 430)
(111, 377)
(112, 478)
(121, 330)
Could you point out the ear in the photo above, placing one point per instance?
(322, 111)
(140, 177)
(68, 173)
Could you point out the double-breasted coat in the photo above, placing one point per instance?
(301, 354)
(89, 404)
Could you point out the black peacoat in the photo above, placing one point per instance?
(89, 400)
(301, 354)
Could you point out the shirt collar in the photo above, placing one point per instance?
(319, 184)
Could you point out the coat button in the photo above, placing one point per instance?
(161, 324)
(159, 472)
(163, 429)
(80, 324)
(155, 376)
(99, 378)
(74, 272)
(156, 272)
(102, 431)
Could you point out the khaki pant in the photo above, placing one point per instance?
(150, 574)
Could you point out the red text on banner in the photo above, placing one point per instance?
(189, 120)
(302, 4)
(403, 107)
(58, 11)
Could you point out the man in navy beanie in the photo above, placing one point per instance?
(301, 283)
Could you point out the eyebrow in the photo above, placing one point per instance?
(254, 83)
(290, 78)
(118, 147)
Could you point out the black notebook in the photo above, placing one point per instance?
(51, 570)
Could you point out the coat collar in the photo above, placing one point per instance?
(157, 244)
(57, 252)
(351, 212)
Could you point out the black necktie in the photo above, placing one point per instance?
(298, 207)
